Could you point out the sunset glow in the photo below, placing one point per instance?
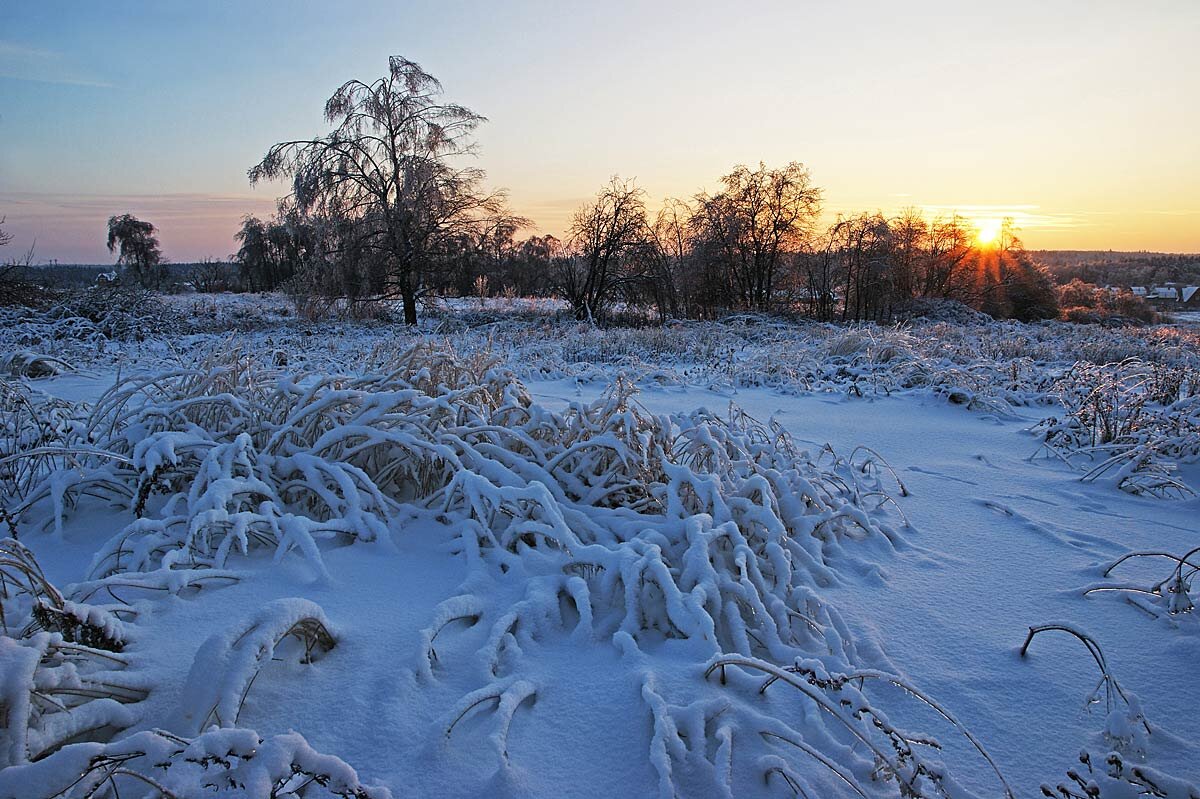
(164, 138)
(988, 231)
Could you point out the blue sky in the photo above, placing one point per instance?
(1078, 117)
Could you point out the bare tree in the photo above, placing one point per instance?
(387, 166)
(949, 259)
(755, 225)
(1008, 283)
(863, 243)
(139, 250)
(272, 252)
(909, 234)
(820, 277)
(210, 276)
(606, 251)
(16, 287)
(671, 251)
(529, 269)
(256, 258)
(485, 251)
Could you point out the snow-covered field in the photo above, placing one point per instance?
(506, 555)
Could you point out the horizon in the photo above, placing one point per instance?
(110, 264)
(1064, 118)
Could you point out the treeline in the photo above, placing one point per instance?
(754, 245)
(177, 276)
(1081, 301)
(1123, 269)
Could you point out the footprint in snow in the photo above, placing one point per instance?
(1057, 533)
(942, 475)
(979, 456)
(1030, 498)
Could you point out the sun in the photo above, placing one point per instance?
(987, 231)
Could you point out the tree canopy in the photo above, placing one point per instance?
(389, 166)
(139, 250)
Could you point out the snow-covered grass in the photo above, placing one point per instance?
(514, 556)
(1131, 422)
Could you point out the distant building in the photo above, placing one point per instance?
(1172, 296)
(1169, 296)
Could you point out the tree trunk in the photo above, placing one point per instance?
(409, 298)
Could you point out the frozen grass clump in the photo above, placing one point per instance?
(218, 763)
(54, 691)
(712, 532)
(1125, 726)
(61, 676)
(1126, 733)
(30, 603)
(1131, 423)
(33, 430)
(889, 754)
(64, 695)
(1115, 778)
(236, 455)
(24, 363)
(696, 526)
(1170, 595)
(610, 525)
(690, 544)
(227, 665)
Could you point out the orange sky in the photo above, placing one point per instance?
(1079, 118)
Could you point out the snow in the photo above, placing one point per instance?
(417, 573)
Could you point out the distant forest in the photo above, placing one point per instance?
(1101, 267)
(68, 276)
(1106, 268)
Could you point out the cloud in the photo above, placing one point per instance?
(182, 205)
(31, 64)
(1024, 216)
